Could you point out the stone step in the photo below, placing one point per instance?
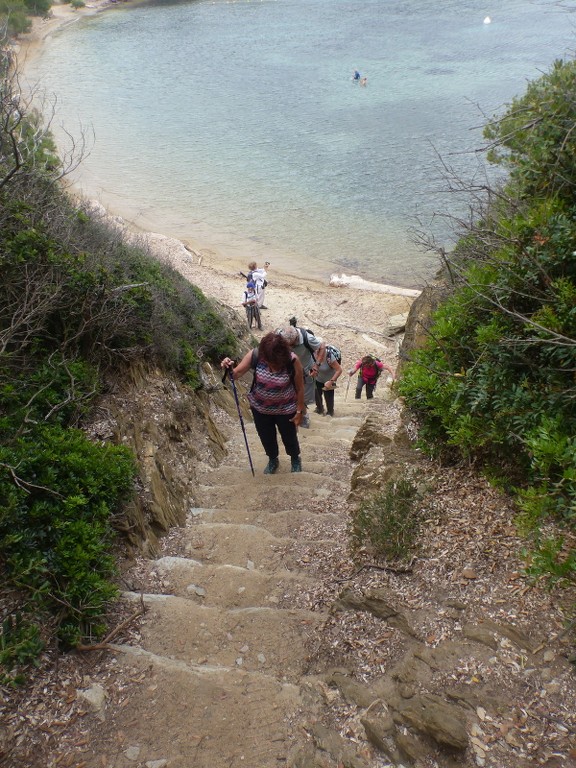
(243, 545)
(237, 475)
(348, 419)
(343, 437)
(284, 523)
(272, 497)
(237, 454)
(263, 639)
(198, 705)
(228, 586)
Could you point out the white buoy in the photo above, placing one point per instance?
(487, 20)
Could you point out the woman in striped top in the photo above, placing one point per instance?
(276, 397)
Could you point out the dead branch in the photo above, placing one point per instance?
(103, 645)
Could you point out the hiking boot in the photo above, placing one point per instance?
(330, 413)
(305, 423)
(296, 465)
(318, 410)
(272, 466)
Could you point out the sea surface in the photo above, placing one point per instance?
(236, 125)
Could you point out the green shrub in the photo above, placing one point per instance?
(14, 17)
(59, 493)
(495, 382)
(388, 523)
(20, 645)
(77, 305)
(38, 7)
(552, 558)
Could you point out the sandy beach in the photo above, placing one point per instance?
(352, 313)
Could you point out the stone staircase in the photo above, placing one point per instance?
(224, 644)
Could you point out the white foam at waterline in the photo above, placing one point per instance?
(359, 283)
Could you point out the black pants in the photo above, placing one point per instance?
(328, 396)
(266, 425)
(369, 389)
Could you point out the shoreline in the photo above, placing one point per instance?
(372, 304)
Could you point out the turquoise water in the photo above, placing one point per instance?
(236, 125)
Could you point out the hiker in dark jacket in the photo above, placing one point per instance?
(276, 398)
(370, 369)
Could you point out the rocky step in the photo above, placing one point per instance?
(313, 443)
(343, 419)
(284, 523)
(343, 436)
(269, 640)
(231, 476)
(198, 705)
(245, 545)
(229, 586)
(272, 498)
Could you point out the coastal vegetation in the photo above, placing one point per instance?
(78, 306)
(495, 383)
(15, 14)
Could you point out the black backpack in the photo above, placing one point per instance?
(305, 332)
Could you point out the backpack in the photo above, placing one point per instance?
(334, 353)
(305, 332)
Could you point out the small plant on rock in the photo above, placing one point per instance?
(388, 523)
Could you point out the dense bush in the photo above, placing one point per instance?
(496, 382)
(77, 303)
(15, 14)
(14, 17)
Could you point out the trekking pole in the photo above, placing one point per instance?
(229, 370)
(347, 388)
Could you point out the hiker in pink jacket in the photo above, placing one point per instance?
(370, 368)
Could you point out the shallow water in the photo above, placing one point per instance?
(237, 124)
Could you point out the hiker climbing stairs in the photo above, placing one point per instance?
(225, 637)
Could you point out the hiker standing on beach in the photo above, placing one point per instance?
(258, 276)
(310, 350)
(329, 370)
(276, 398)
(370, 368)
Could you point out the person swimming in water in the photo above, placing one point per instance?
(356, 76)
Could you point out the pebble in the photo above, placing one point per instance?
(132, 753)
(157, 763)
